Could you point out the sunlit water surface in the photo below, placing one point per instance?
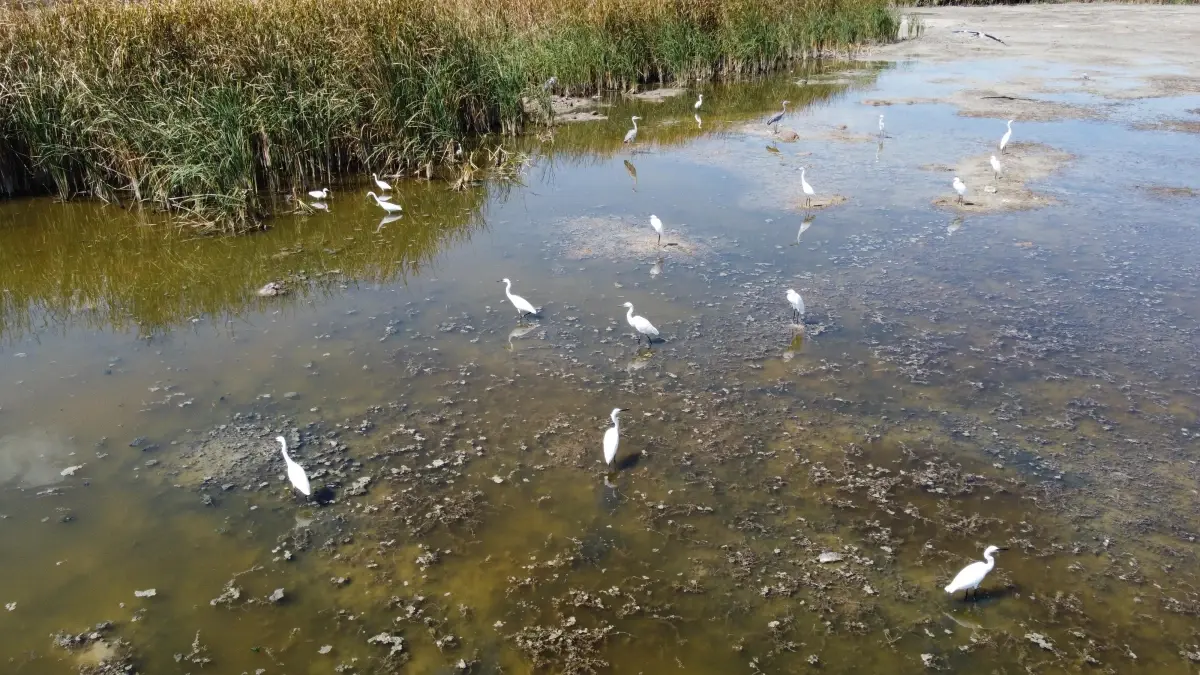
(1023, 379)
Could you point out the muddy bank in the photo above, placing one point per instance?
(988, 192)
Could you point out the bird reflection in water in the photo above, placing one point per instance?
(387, 220)
(520, 332)
(954, 226)
(804, 225)
(699, 122)
(657, 268)
(632, 171)
(795, 345)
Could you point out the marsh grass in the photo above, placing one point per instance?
(207, 108)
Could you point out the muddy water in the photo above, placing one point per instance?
(1024, 379)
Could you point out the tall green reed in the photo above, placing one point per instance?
(208, 108)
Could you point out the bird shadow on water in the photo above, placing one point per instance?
(981, 599)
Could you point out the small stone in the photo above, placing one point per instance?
(276, 596)
(829, 557)
(70, 470)
(1040, 640)
(148, 593)
(497, 480)
(10, 606)
(325, 649)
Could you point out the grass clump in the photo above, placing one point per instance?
(212, 107)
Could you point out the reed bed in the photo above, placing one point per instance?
(211, 108)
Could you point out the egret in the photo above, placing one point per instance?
(380, 184)
(657, 225)
(641, 325)
(522, 305)
(779, 115)
(972, 575)
(295, 472)
(996, 167)
(979, 34)
(611, 438)
(881, 125)
(550, 83)
(386, 205)
(1007, 135)
(961, 188)
(631, 135)
(323, 193)
(808, 189)
(797, 304)
(698, 102)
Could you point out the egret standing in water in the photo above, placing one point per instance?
(779, 115)
(1005, 138)
(657, 225)
(321, 194)
(808, 189)
(961, 188)
(631, 135)
(522, 305)
(611, 438)
(996, 167)
(386, 205)
(972, 575)
(295, 472)
(797, 304)
(383, 187)
(699, 101)
(641, 325)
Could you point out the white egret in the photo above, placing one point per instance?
(295, 472)
(657, 225)
(881, 125)
(961, 188)
(996, 167)
(972, 575)
(641, 325)
(522, 305)
(323, 193)
(383, 187)
(808, 189)
(1005, 138)
(698, 102)
(386, 205)
(797, 304)
(779, 115)
(611, 438)
(631, 135)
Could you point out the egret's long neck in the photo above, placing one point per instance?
(629, 318)
(508, 289)
(283, 448)
(991, 562)
(634, 124)
(614, 419)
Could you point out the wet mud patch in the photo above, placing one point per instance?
(799, 203)
(658, 95)
(1021, 163)
(1169, 192)
(617, 238)
(838, 134)
(1002, 105)
(1176, 125)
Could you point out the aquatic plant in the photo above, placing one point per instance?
(211, 108)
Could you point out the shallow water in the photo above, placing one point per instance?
(1026, 380)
